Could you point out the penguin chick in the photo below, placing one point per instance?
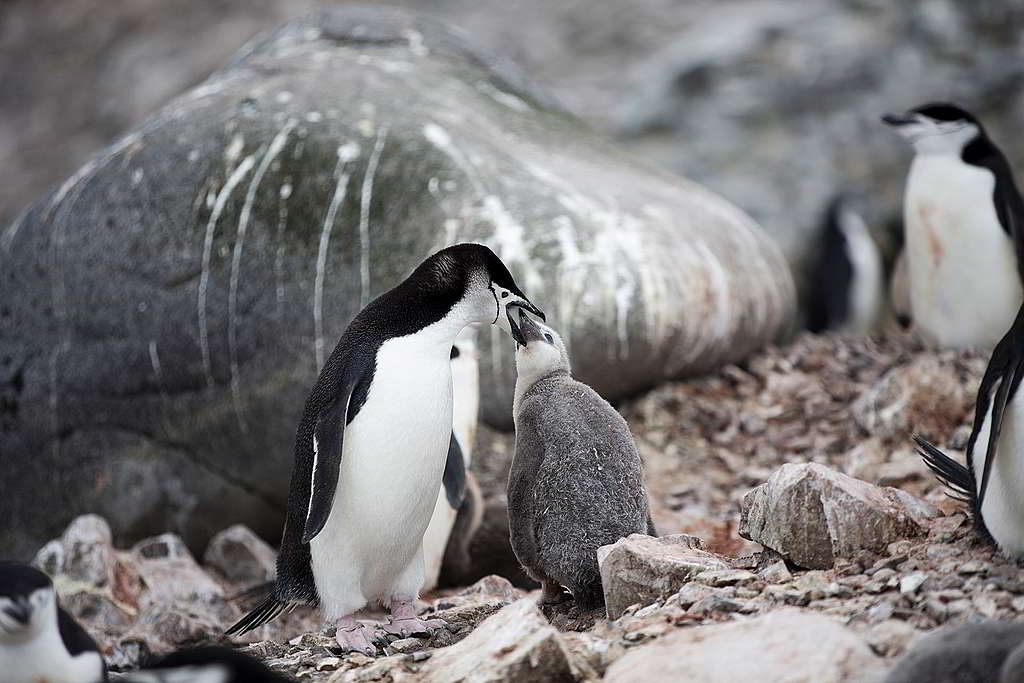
(39, 641)
(987, 651)
(209, 664)
(847, 285)
(576, 481)
(992, 483)
(962, 220)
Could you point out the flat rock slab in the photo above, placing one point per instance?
(787, 646)
(811, 515)
(642, 569)
(164, 311)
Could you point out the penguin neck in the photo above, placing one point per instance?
(527, 378)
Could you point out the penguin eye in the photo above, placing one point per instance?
(549, 338)
(504, 295)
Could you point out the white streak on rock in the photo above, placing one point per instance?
(275, 147)
(439, 138)
(154, 361)
(234, 149)
(204, 277)
(416, 44)
(365, 202)
(501, 97)
(282, 221)
(340, 189)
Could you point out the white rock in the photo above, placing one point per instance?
(788, 645)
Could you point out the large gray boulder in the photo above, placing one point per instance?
(165, 309)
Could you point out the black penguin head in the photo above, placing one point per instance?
(937, 127)
(484, 285)
(211, 663)
(539, 349)
(27, 601)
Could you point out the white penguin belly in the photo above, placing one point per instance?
(390, 475)
(964, 286)
(1003, 507)
(44, 658)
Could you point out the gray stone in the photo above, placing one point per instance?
(641, 569)
(240, 556)
(218, 251)
(516, 644)
(811, 515)
(787, 645)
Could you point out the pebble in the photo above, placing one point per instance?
(777, 572)
(911, 583)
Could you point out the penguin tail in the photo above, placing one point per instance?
(266, 611)
(957, 478)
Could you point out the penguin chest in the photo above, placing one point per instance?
(1003, 507)
(46, 659)
(964, 286)
(393, 461)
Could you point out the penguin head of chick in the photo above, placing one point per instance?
(539, 349)
(483, 288)
(27, 602)
(936, 128)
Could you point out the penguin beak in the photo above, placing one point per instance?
(20, 612)
(528, 330)
(523, 304)
(897, 120)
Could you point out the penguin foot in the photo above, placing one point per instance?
(404, 622)
(413, 626)
(552, 594)
(352, 636)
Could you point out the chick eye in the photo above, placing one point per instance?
(549, 338)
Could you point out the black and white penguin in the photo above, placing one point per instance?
(39, 641)
(465, 408)
(576, 481)
(962, 216)
(208, 664)
(992, 483)
(847, 289)
(372, 445)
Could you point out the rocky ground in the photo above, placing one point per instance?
(838, 574)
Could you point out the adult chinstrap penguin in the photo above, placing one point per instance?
(39, 641)
(576, 481)
(992, 483)
(962, 218)
(847, 291)
(372, 445)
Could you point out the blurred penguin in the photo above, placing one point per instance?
(963, 218)
(443, 528)
(847, 286)
(990, 651)
(208, 664)
(39, 641)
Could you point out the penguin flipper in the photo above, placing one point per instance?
(328, 442)
(454, 478)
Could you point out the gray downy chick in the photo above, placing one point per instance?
(576, 481)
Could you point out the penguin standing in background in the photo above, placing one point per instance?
(465, 408)
(39, 641)
(576, 481)
(963, 219)
(847, 286)
(992, 483)
(372, 445)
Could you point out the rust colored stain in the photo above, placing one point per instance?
(935, 247)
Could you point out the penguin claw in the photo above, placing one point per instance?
(413, 626)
